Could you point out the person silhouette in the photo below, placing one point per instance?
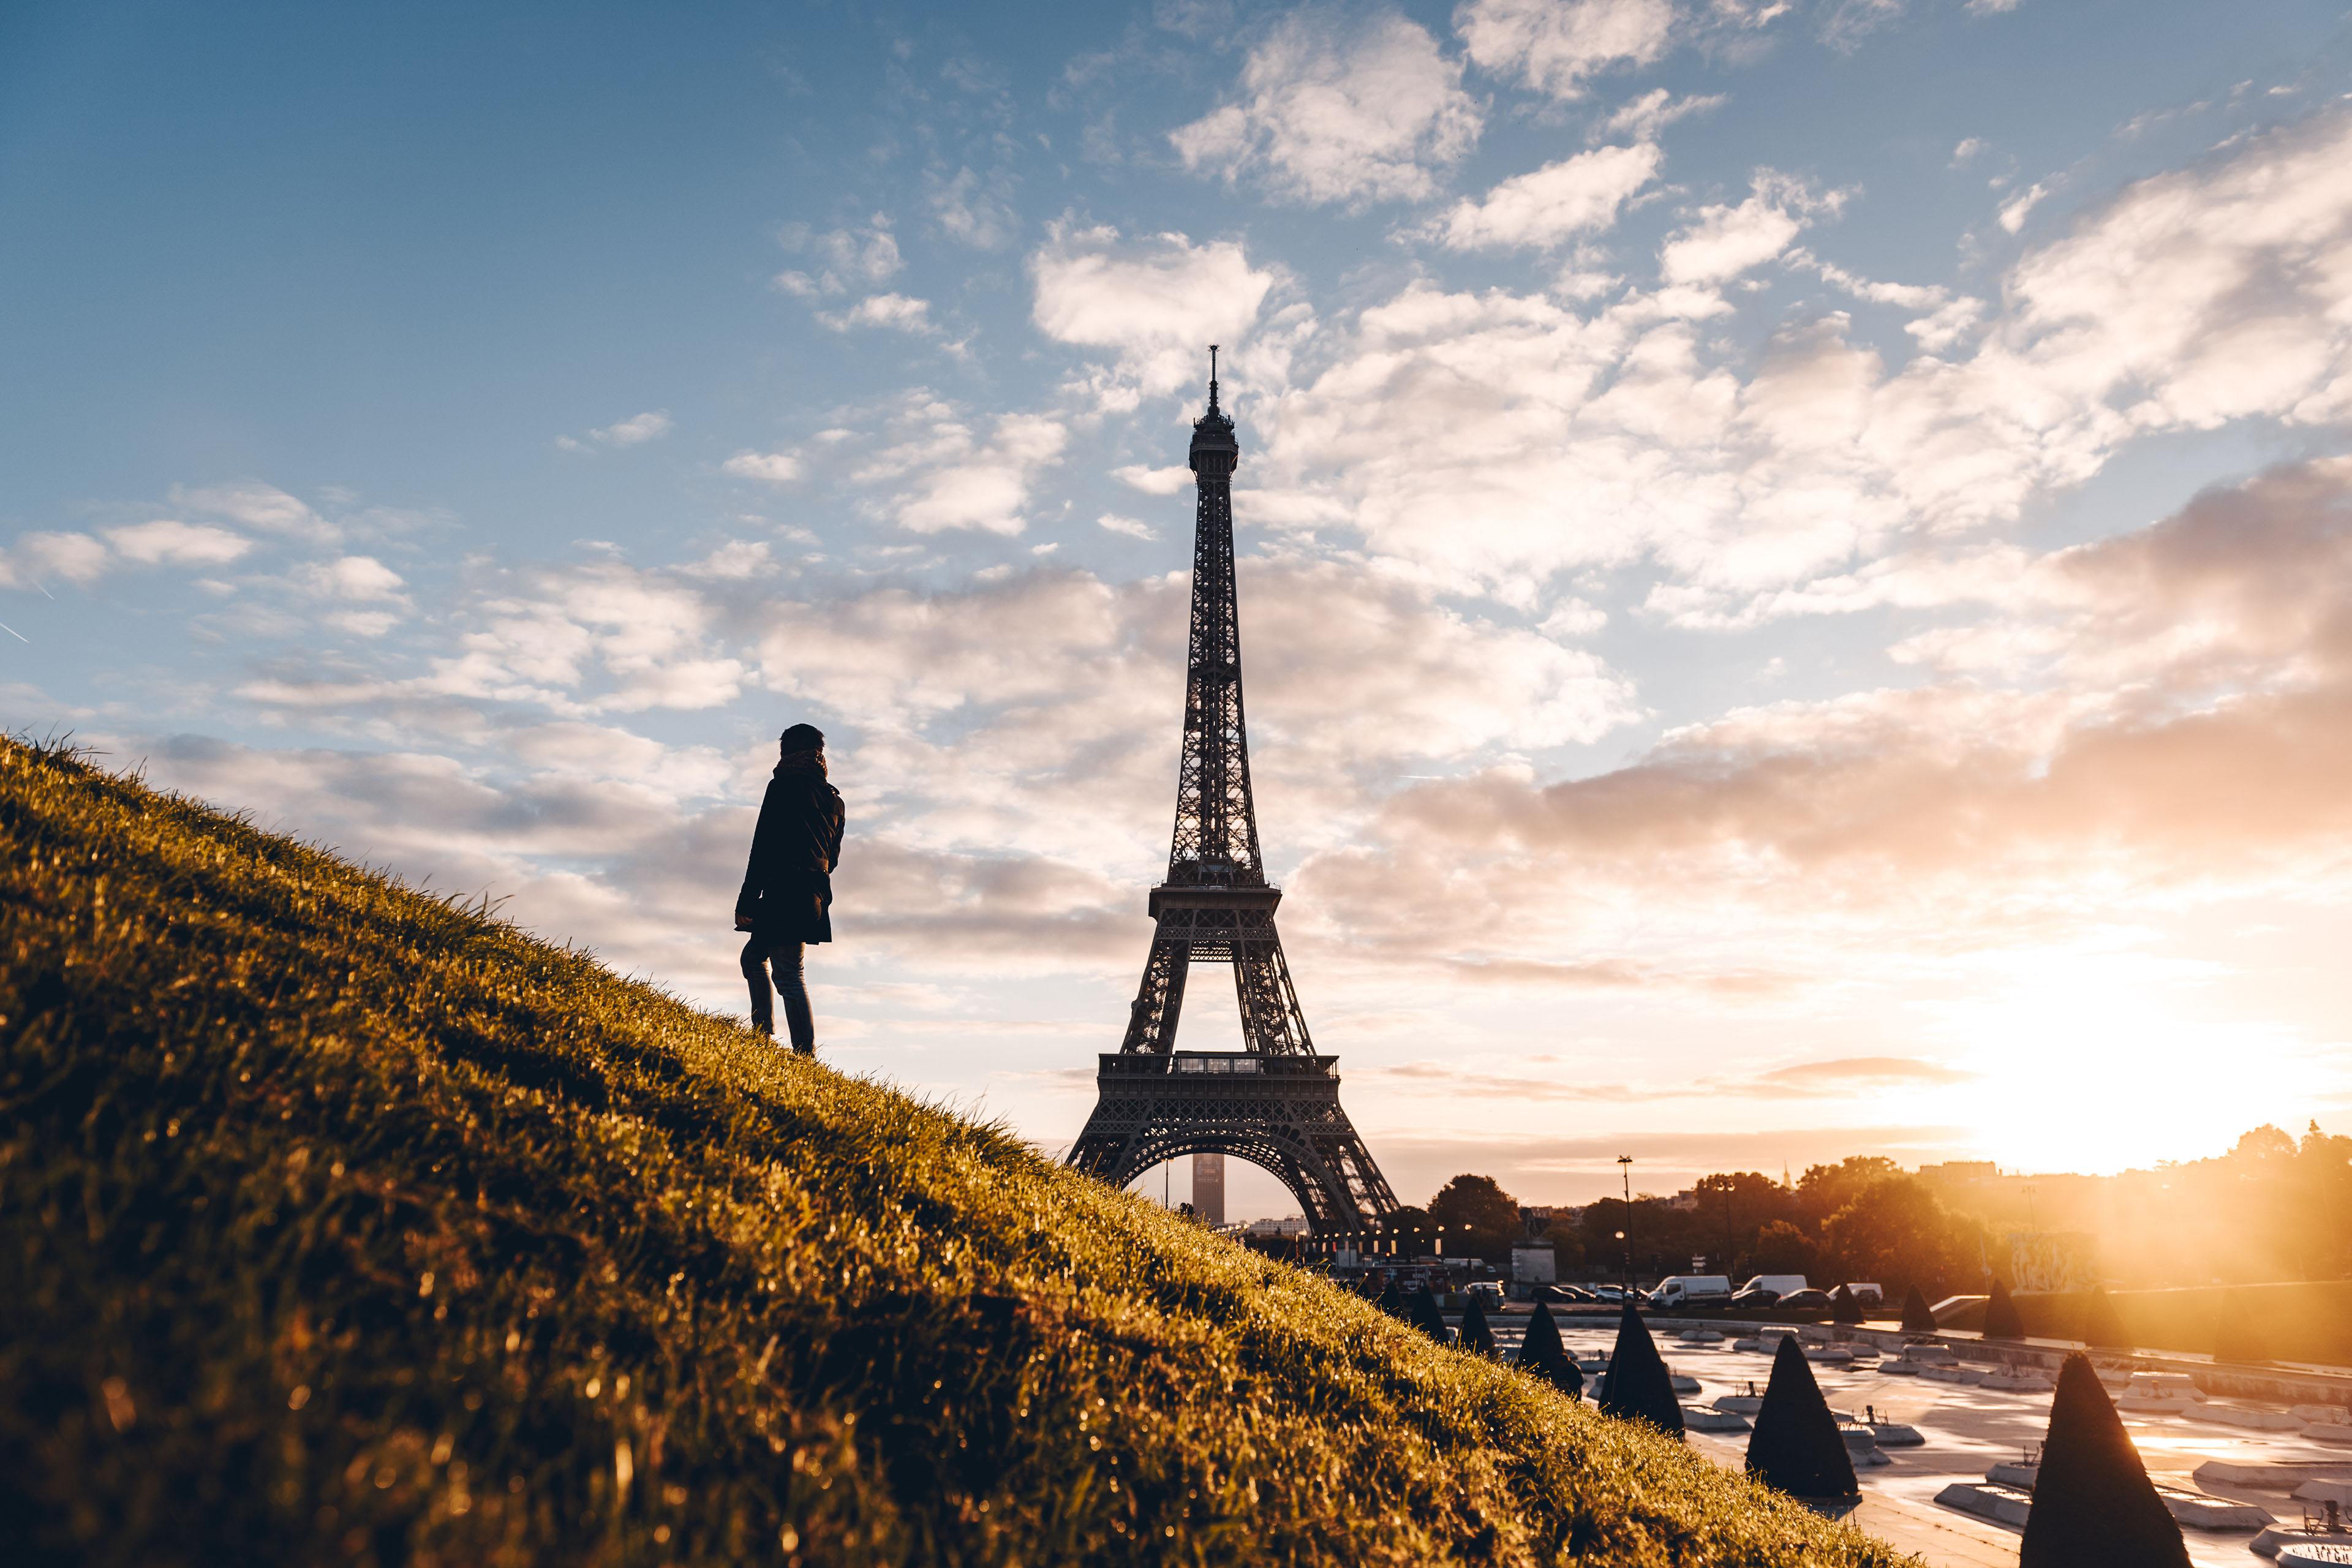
(787, 897)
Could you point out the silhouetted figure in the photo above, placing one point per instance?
(787, 897)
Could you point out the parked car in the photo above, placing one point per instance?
(1869, 1295)
(1487, 1293)
(1609, 1293)
(1806, 1301)
(1691, 1289)
(1753, 1299)
(1569, 1293)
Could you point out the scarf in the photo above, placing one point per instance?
(801, 763)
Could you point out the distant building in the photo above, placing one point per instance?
(1685, 1199)
(1208, 1188)
(1290, 1225)
(1955, 1172)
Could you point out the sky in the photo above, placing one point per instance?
(1795, 559)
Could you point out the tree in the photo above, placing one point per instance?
(1638, 1386)
(2092, 1501)
(1782, 1248)
(1796, 1447)
(1477, 1211)
(1733, 1208)
(2002, 1320)
(1823, 1190)
(1893, 1231)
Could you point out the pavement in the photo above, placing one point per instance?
(1967, 1430)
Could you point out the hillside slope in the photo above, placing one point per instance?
(345, 1225)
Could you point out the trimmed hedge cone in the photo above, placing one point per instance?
(1843, 1308)
(1916, 1318)
(1542, 1355)
(2093, 1503)
(2002, 1320)
(1424, 1313)
(2103, 1326)
(1638, 1387)
(1795, 1447)
(1475, 1335)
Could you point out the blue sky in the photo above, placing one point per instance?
(1788, 550)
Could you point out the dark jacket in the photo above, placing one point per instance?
(787, 886)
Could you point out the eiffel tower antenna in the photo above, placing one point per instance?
(1275, 1103)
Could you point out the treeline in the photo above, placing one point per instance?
(2274, 1208)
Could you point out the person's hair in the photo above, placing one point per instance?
(802, 738)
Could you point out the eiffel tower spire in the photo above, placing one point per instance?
(1275, 1102)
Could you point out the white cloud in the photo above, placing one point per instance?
(265, 507)
(2014, 211)
(1970, 149)
(1554, 45)
(354, 577)
(179, 543)
(738, 560)
(1576, 195)
(971, 214)
(1652, 112)
(1154, 482)
(1338, 111)
(1127, 525)
(846, 259)
(1157, 302)
(771, 468)
(974, 483)
(73, 557)
(896, 311)
(634, 431)
(1726, 241)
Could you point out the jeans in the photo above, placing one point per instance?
(760, 954)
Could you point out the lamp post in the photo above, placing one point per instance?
(1625, 1170)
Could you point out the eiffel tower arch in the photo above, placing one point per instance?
(1275, 1102)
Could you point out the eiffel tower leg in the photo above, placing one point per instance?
(1160, 1000)
(1271, 1020)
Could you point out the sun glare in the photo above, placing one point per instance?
(2097, 1064)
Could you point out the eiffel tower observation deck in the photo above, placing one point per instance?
(1275, 1103)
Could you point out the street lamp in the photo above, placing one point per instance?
(1625, 1170)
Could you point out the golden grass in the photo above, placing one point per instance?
(344, 1225)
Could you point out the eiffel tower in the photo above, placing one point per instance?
(1275, 1103)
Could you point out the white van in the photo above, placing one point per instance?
(1779, 1284)
(1689, 1289)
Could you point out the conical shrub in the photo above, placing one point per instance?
(1795, 1447)
(1637, 1387)
(2000, 1319)
(2103, 1326)
(1843, 1308)
(1391, 1300)
(1424, 1314)
(1542, 1355)
(2092, 1501)
(1916, 1318)
(2240, 1335)
(1474, 1335)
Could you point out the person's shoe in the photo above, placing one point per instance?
(807, 1050)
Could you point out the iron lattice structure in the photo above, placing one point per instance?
(1276, 1103)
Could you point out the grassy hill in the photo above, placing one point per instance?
(345, 1225)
